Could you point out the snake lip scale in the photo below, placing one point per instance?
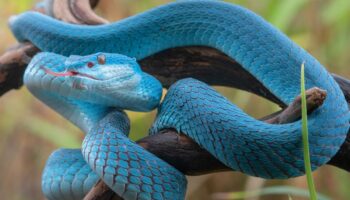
(91, 89)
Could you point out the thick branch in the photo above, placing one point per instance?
(77, 12)
(101, 191)
(206, 64)
(12, 66)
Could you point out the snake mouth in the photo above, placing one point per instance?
(67, 73)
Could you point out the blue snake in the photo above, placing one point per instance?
(91, 90)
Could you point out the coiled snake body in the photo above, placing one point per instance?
(91, 91)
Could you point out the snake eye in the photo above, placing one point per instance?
(90, 64)
(101, 59)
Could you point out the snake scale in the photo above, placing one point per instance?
(91, 89)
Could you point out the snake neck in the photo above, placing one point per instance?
(82, 114)
(115, 121)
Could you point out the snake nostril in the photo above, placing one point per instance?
(90, 64)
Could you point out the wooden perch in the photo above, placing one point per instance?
(76, 12)
(203, 63)
(12, 66)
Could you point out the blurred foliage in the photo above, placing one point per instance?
(281, 190)
(29, 131)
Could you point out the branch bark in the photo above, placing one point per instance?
(12, 66)
(77, 11)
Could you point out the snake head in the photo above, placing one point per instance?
(107, 79)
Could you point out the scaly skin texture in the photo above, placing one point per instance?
(236, 139)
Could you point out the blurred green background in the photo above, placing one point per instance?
(29, 131)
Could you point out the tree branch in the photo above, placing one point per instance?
(12, 66)
(77, 12)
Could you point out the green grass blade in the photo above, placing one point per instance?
(307, 162)
(275, 190)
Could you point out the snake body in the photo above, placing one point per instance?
(190, 106)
